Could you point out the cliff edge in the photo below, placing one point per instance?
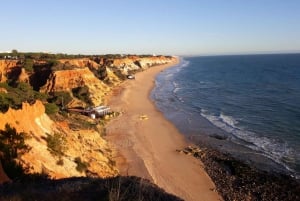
(35, 94)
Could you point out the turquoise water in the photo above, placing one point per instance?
(252, 101)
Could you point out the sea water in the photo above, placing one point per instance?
(249, 103)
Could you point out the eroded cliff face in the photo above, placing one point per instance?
(66, 80)
(9, 68)
(87, 72)
(87, 144)
(99, 76)
(136, 63)
(152, 61)
(81, 63)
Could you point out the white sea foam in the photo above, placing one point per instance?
(176, 89)
(228, 120)
(169, 73)
(271, 148)
(184, 63)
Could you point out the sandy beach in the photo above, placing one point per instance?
(145, 142)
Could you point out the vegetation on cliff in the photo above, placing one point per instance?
(35, 84)
(87, 189)
(16, 93)
(12, 146)
(42, 76)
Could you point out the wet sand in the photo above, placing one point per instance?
(145, 142)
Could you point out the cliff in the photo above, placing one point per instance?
(98, 77)
(136, 63)
(81, 63)
(86, 144)
(83, 142)
(8, 67)
(66, 80)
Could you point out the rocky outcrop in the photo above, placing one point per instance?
(152, 61)
(97, 76)
(236, 180)
(135, 63)
(24, 120)
(7, 67)
(81, 63)
(66, 80)
(85, 144)
(24, 77)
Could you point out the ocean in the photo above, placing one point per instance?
(245, 105)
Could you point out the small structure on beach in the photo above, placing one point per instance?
(130, 77)
(98, 111)
(93, 112)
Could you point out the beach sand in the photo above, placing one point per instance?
(145, 142)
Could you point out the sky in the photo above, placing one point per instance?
(173, 27)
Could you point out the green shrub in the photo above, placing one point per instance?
(12, 146)
(56, 144)
(28, 65)
(51, 108)
(60, 98)
(81, 166)
(82, 93)
(17, 94)
(4, 102)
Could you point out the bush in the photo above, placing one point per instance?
(82, 93)
(4, 102)
(60, 162)
(12, 146)
(81, 166)
(28, 65)
(56, 144)
(60, 98)
(51, 108)
(15, 96)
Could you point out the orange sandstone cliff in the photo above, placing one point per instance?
(9, 68)
(85, 144)
(99, 76)
(66, 80)
(83, 74)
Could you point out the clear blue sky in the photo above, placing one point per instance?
(180, 27)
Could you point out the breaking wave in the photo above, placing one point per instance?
(271, 148)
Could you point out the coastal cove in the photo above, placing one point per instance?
(246, 105)
(164, 135)
(146, 143)
(142, 149)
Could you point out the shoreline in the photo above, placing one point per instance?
(146, 143)
(237, 180)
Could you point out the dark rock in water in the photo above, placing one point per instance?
(84, 189)
(219, 137)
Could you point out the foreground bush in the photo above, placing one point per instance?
(12, 146)
(87, 189)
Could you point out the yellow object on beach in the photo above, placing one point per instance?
(144, 117)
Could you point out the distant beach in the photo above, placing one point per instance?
(145, 142)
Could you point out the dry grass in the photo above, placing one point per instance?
(87, 189)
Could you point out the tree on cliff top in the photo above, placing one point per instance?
(14, 52)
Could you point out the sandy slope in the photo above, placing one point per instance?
(146, 142)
